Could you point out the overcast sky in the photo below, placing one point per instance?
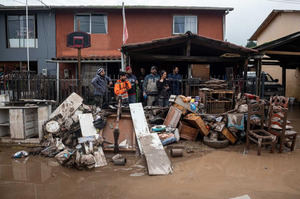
(240, 23)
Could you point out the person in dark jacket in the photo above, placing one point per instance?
(163, 90)
(175, 80)
(101, 83)
(150, 91)
(134, 83)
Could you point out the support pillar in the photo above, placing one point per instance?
(284, 80)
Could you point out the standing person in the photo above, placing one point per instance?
(175, 80)
(150, 88)
(141, 82)
(122, 86)
(133, 81)
(163, 90)
(101, 83)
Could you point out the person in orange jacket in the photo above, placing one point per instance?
(121, 87)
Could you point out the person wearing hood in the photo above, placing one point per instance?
(133, 81)
(101, 83)
(122, 86)
(150, 91)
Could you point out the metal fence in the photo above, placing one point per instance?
(28, 86)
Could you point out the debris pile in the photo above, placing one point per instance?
(71, 137)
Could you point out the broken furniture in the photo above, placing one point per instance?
(20, 124)
(277, 126)
(217, 101)
(187, 132)
(256, 133)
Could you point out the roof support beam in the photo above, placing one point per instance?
(276, 52)
(176, 58)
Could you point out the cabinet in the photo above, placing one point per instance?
(21, 122)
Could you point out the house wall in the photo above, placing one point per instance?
(143, 25)
(46, 42)
(283, 24)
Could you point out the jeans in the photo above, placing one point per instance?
(163, 102)
(99, 100)
(132, 99)
(151, 100)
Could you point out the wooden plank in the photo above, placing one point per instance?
(139, 122)
(43, 116)
(173, 117)
(86, 124)
(16, 123)
(100, 158)
(157, 160)
(68, 107)
(149, 144)
(229, 135)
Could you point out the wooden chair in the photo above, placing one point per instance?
(256, 133)
(279, 101)
(277, 126)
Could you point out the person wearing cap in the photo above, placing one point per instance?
(133, 81)
(101, 83)
(150, 91)
(122, 86)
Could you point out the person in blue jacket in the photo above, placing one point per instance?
(175, 81)
(150, 88)
(101, 83)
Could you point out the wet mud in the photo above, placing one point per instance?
(201, 173)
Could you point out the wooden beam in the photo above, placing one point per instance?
(176, 58)
(245, 74)
(276, 52)
(284, 80)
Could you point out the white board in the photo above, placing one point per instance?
(139, 122)
(150, 145)
(100, 158)
(68, 107)
(86, 124)
(157, 159)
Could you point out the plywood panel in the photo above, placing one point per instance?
(86, 124)
(16, 123)
(200, 71)
(158, 162)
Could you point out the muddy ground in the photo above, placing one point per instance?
(204, 173)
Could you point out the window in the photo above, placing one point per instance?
(91, 23)
(16, 31)
(182, 24)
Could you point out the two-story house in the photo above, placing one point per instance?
(13, 42)
(144, 23)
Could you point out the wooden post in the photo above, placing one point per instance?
(258, 76)
(245, 74)
(79, 70)
(188, 53)
(79, 62)
(284, 79)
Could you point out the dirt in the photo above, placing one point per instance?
(201, 173)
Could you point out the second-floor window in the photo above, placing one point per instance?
(17, 31)
(91, 23)
(182, 24)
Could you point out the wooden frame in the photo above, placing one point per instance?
(258, 135)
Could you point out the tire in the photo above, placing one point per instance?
(217, 144)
